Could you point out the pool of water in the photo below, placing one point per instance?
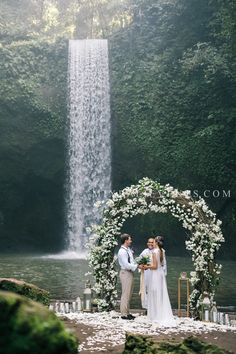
(65, 278)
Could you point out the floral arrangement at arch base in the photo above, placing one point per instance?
(150, 196)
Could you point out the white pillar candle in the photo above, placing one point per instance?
(57, 307)
(221, 318)
(67, 309)
(214, 317)
(74, 306)
(62, 307)
(207, 315)
(87, 304)
(51, 307)
(78, 305)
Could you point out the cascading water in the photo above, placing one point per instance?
(89, 177)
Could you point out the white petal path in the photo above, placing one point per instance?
(111, 329)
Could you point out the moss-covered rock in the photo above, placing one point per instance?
(137, 344)
(30, 328)
(22, 288)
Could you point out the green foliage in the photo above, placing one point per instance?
(173, 99)
(28, 290)
(173, 73)
(32, 120)
(34, 38)
(28, 327)
(51, 19)
(32, 85)
(138, 344)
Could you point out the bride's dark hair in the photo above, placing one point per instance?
(160, 242)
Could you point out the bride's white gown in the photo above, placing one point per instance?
(159, 308)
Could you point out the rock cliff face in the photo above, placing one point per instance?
(29, 327)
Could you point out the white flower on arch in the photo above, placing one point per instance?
(146, 196)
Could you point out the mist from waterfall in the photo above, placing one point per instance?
(89, 149)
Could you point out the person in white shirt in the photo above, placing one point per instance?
(146, 274)
(128, 266)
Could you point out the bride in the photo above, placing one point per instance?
(159, 308)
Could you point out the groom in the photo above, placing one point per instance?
(128, 266)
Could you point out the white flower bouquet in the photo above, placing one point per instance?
(144, 260)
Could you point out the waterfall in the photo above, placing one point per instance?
(89, 150)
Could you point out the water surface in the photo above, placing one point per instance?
(65, 278)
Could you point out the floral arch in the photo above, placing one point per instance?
(150, 196)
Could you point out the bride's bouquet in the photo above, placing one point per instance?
(144, 260)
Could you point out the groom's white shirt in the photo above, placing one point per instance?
(123, 259)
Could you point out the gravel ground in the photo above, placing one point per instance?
(105, 332)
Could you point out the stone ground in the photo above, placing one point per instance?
(105, 332)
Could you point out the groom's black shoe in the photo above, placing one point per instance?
(131, 317)
(127, 317)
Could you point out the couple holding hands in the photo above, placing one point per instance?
(153, 288)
